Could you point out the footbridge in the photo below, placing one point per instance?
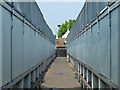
(27, 48)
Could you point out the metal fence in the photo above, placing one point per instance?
(95, 47)
(89, 12)
(32, 13)
(27, 45)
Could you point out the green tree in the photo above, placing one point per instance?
(64, 27)
(71, 22)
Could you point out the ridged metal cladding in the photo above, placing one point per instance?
(87, 14)
(33, 14)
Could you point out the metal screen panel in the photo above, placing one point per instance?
(27, 61)
(17, 48)
(93, 10)
(104, 44)
(115, 45)
(6, 46)
(26, 10)
(32, 47)
(32, 12)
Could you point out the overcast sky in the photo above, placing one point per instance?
(56, 13)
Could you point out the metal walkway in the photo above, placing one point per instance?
(60, 75)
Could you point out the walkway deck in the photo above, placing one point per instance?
(60, 75)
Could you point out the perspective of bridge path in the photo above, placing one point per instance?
(60, 75)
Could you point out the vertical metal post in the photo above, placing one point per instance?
(83, 76)
(38, 72)
(109, 14)
(98, 23)
(79, 72)
(29, 80)
(0, 46)
(94, 81)
(90, 28)
(83, 72)
(11, 36)
(119, 47)
(87, 76)
(100, 84)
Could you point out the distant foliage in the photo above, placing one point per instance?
(64, 27)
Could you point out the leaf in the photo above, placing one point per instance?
(64, 27)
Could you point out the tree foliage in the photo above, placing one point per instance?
(64, 27)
